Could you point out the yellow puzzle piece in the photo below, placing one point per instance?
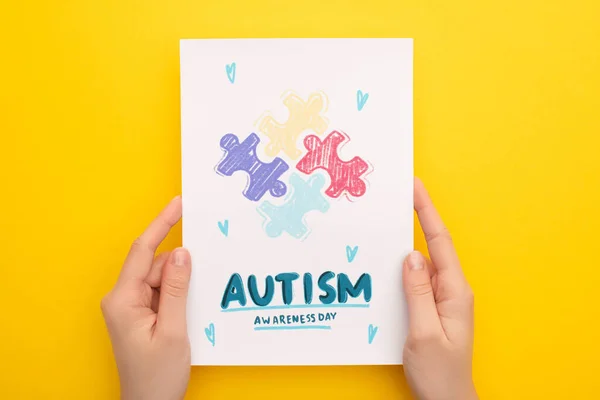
(302, 116)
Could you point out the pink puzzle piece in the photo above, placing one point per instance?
(345, 175)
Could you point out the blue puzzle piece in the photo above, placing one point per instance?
(289, 217)
(263, 177)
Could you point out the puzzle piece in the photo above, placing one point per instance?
(302, 116)
(345, 175)
(263, 177)
(289, 217)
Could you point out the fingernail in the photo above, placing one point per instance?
(415, 261)
(181, 257)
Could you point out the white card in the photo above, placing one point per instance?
(297, 199)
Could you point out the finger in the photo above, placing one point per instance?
(430, 268)
(155, 300)
(423, 318)
(139, 260)
(173, 294)
(439, 243)
(155, 274)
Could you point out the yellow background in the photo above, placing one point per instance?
(507, 131)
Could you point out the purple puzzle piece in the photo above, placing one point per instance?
(263, 177)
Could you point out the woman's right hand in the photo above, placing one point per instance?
(439, 349)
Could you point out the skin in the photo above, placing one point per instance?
(145, 314)
(439, 349)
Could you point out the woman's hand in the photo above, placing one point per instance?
(146, 315)
(439, 348)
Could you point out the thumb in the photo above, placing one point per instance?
(173, 293)
(423, 318)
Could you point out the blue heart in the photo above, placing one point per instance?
(230, 69)
(372, 332)
(351, 253)
(361, 99)
(210, 333)
(224, 227)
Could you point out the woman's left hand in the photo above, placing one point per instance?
(146, 315)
